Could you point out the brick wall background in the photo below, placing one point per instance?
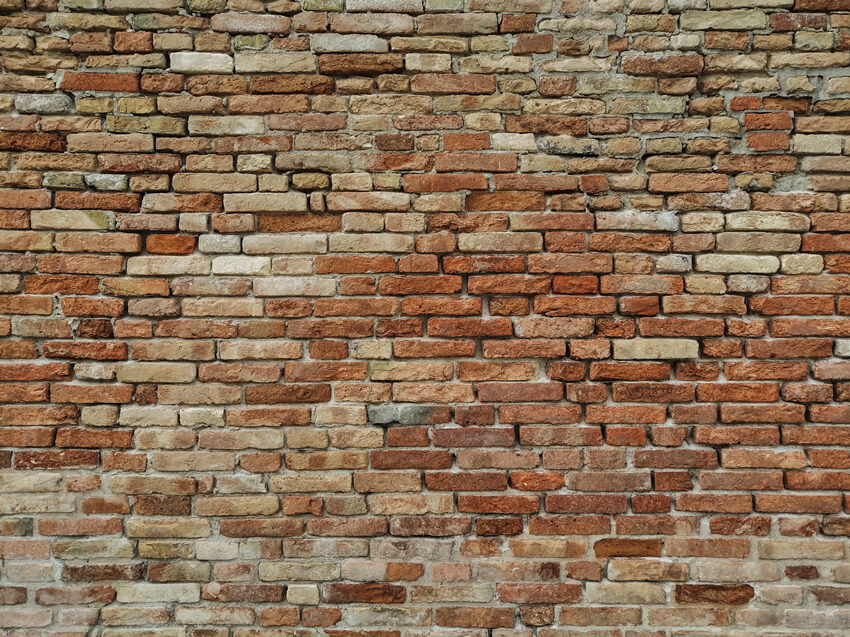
(463, 318)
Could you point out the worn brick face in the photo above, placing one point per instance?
(399, 318)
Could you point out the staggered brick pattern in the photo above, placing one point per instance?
(463, 318)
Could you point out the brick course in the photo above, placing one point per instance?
(407, 318)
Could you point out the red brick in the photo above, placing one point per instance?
(118, 82)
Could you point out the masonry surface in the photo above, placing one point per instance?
(463, 318)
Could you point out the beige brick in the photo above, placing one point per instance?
(800, 550)
(290, 570)
(237, 505)
(302, 594)
(801, 263)
(241, 265)
(282, 62)
(655, 348)
(809, 60)
(266, 202)
(500, 242)
(107, 142)
(156, 372)
(647, 570)
(193, 461)
(770, 221)
(226, 125)
(731, 263)
(86, 549)
(378, 201)
(132, 416)
(725, 571)
(167, 528)
(308, 483)
(734, 20)
(14, 504)
(625, 593)
(142, 592)
(166, 265)
(284, 244)
(757, 242)
(294, 286)
(383, 242)
(214, 182)
(31, 482)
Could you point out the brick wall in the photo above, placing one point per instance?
(463, 318)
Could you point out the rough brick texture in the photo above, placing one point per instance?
(424, 318)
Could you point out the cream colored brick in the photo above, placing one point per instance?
(371, 349)
(493, 64)
(294, 286)
(347, 43)
(236, 349)
(202, 417)
(352, 181)
(194, 461)
(29, 482)
(625, 593)
(85, 549)
(500, 242)
(166, 265)
(72, 220)
(650, 570)
(133, 416)
(310, 483)
(513, 141)
(655, 348)
(731, 263)
(390, 104)
(370, 243)
(818, 144)
(705, 284)
(748, 242)
(282, 62)
(226, 125)
(728, 571)
(298, 571)
(241, 265)
(143, 592)
(136, 372)
(839, 84)
(809, 60)
(214, 182)
(362, 222)
(734, 20)
(762, 220)
(307, 594)
(800, 550)
(266, 202)
(801, 263)
(284, 244)
(428, 62)
(307, 438)
(99, 415)
(237, 505)
(195, 62)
